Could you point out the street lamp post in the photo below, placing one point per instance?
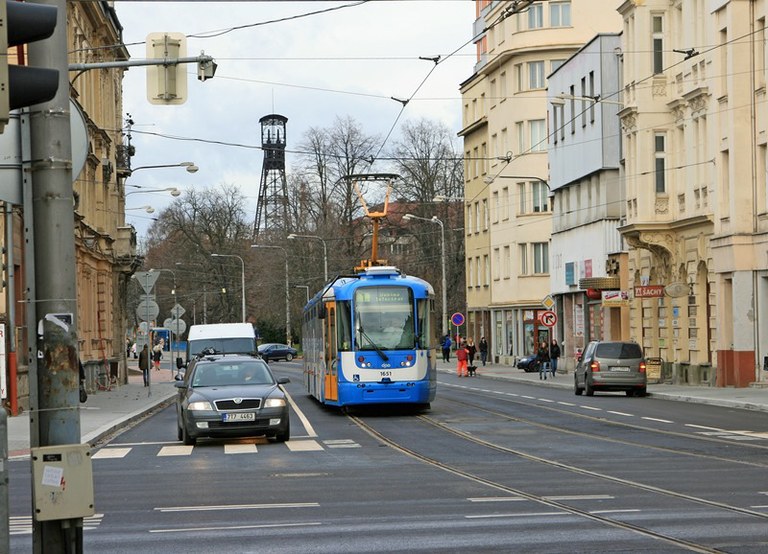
(242, 276)
(190, 167)
(437, 221)
(174, 191)
(306, 289)
(325, 250)
(287, 291)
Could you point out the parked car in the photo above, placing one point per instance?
(231, 395)
(611, 366)
(276, 351)
(529, 364)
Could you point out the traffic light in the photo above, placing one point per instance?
(22, 86)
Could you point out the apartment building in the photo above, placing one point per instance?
(694, 139)
(507, 200)
(588, 263)
(105, 247)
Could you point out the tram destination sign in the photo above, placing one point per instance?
(649, 291)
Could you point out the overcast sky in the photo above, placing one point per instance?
(311, 69)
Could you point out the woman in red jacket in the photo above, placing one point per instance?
(462, 355)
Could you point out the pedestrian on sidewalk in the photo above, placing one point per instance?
(542, 356)
(157, 354)
(554, 354)
(483, 344)
(462, 355)
(445, 344)
(144, 364)
(471, 351)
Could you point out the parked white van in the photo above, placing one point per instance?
(224, 338)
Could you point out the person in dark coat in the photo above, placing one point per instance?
(554, 354)
(483, 344)
(446, 346)
(471, 351)
(542, 357)
(144, 364)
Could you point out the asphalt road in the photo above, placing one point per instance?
(493, 466)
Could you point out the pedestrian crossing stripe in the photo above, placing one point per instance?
(171, 450)
(22, 525)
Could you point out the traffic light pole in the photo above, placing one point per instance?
(56, 418)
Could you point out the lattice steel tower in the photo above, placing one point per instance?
(272, 207)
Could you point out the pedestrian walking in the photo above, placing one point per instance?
(471, 351)
(554, 354)
(157, 354)
(542, 357)
(144, 364)
(483, 344)
(462, 355)
(445, 344)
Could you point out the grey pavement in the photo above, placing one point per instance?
(107, 411)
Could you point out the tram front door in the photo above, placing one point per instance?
(331, 370)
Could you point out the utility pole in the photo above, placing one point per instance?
(55, 420)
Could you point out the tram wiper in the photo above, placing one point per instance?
(378, 350)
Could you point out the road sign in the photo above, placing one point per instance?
(175, 325)
(146, 279)
(548, 318)
(457, 319)
(147, 310)
(548, 302)
(177, 311)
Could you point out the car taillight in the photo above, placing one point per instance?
(594, 366)
(642, 367)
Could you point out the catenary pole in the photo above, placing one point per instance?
(56, 415)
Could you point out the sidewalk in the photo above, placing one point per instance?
(104, 411)
(107, 411)
(750, 398)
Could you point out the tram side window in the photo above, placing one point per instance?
(424, 312)
(343, 326)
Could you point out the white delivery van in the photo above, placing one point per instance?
(223, 338)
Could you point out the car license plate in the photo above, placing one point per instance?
(229, 417)
(620, 368)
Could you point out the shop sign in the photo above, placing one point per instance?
(615, 298)
(649, 291)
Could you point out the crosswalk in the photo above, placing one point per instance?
(250, 446)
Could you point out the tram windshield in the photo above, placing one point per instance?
(384, 318)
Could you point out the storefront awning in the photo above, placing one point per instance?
(599, 283)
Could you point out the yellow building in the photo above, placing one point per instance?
(694, 132)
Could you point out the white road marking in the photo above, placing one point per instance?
(591, 408)
(240, 449)
(520, 498)
(703, 427)
(304, 420)
(614, 511)
(220, 507)
(175, 450)
(341, 443)
(657, 420)
(527, 514)
(621, 413)
(528, 397)
(111, 453)
(546, 400)
(233, 527)
(22, 525)
(303, 446)
(566, 404)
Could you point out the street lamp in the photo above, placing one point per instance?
(190, 166)
(287, 291)
(242, 275)
(325, 251)
(172, 190)
(437, 221)
(148, 209)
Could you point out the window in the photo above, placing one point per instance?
(503, 86)
(538, 135)
(584, 103)
(519, 77)
(523, 208)
(470, 274)
(658, 44)
(505, 203)
(478, 273)
(572, 105)
(660, 161)
(486, 215)
(540, 198)
(484, 158)
(541, 257)
(522, 146)
(477, 217)
(494, 98)
(469, 219)
(487, 269)
(506, 263)
(496, 263)
(495, 147)
(523, 249)
(536, 16)
(536, 75)
(495, 207)
(560, 14)
(592, 95)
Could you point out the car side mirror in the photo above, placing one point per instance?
(179, 362)
(179, 384)
(283, 381)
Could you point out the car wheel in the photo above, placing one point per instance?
(179, 432)
(188, 440)
(641, 392)
(285, 434)
(577, 390)
(288, 357)
(589, 389)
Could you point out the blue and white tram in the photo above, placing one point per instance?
(369, 339)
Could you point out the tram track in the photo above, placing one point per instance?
(623, 525)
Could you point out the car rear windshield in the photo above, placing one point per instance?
(619, 350)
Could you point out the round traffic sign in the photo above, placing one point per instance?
(548, 318)
(457, 319)
(147, 310)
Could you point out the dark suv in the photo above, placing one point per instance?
(611, 366)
